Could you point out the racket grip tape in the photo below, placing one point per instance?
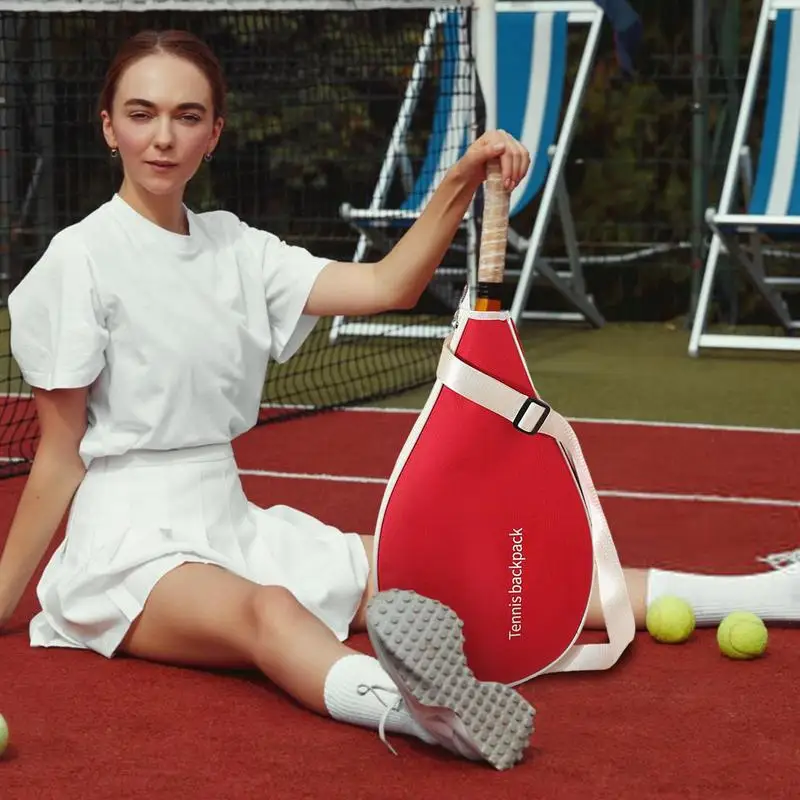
(494, 236)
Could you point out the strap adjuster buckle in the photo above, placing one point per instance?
(523, 410)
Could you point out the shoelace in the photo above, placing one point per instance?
(397, 705)
(781, 560)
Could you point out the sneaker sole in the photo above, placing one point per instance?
(421, 646)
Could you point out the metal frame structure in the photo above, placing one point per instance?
(495, 72)
(772, 199)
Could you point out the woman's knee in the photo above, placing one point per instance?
(272, 612)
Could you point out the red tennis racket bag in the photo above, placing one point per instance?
(491, 510)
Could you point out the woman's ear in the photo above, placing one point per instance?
(108, 130)
(216, 132)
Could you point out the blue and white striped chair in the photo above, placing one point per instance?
(531, 71)
(772, 202)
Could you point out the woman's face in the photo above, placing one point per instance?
(162, 122)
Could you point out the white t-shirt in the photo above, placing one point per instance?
(173, 333)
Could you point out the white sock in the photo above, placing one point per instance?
(358, 690)
(774, 596)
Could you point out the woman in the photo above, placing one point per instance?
(164, 558)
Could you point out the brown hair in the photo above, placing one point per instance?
(181, 44)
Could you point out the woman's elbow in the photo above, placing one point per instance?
(406, 299)
(401, 296)
(392, 291)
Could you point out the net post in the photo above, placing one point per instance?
(484, 34)
(8, 147)
(484, 48)
(700, 42)
(41, 190)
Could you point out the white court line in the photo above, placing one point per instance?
(701, 498)
(645, 423)
(700, 426)
(685, 498)
(312, 476)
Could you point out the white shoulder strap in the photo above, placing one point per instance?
(531, 416)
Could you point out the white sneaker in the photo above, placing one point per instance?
(782, 560)
(419, 643)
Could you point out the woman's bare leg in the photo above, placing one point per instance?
(636, 581)
(200, 615)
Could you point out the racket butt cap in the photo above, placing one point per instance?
(489, 297)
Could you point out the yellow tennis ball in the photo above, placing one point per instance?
(670, 620)
(3, 735)
(742, 635)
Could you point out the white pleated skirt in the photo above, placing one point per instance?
(138, 516)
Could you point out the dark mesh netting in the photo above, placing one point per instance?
(313, 99)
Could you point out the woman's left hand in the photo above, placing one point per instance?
(514, 158)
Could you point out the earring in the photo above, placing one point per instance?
(208, 156)
(114, 152)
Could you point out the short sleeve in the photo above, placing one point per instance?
(58, 337)
(289, 274)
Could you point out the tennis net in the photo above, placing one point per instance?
(315, 91)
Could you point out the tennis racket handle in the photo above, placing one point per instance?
(494, 233)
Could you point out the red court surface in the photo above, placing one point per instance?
(666, 722)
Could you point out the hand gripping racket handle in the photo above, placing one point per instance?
(494, 237)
